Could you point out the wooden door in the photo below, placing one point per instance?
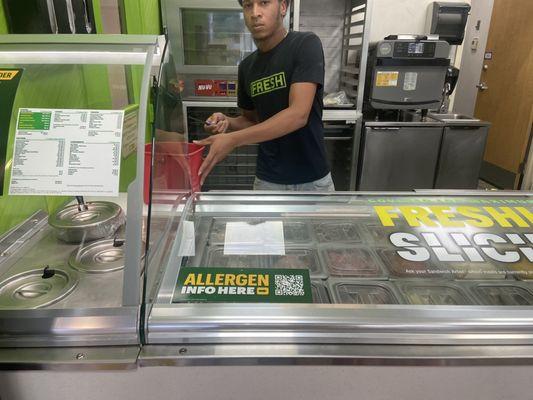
(505, 95)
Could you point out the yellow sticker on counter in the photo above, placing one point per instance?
(8, 75)
(387, 78)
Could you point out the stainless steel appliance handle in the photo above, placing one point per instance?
(340, 138)
(71, 16)
(52, 16)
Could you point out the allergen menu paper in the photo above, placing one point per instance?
(67, 152)
(265, 238)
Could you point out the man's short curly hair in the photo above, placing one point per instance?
(286, 1)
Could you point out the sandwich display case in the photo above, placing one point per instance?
(431, 269)
(232, 277)
(72, 225)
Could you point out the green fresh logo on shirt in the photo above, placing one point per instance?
(268, 84)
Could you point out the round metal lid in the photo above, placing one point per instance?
(97, 212)
(37, 288)
(99, 257)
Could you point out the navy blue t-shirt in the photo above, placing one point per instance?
(264, 84)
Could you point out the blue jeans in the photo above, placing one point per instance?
(324, 184)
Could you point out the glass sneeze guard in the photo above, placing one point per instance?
(71, 263)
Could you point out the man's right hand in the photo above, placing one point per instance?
(217, 123)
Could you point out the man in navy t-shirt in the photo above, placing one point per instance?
(280, 96)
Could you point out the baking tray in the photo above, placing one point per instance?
(354, 291)
(352, 261)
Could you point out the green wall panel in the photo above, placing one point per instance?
(142, 17)
(3, 22)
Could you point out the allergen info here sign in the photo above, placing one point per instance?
(67, 152)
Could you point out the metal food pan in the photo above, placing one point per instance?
(352, 261)
(502, 293)
(37, 287)
(425, 292)
(355, 291)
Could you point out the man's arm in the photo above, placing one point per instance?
(294, 117)
(247, 119)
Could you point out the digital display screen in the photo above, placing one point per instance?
(415, 48)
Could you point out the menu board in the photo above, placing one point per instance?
(67, 152)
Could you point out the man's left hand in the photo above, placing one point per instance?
(220, 147)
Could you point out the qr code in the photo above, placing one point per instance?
(289, 285)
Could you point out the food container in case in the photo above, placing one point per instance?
(401, 268)
(378, 235)
(294, 231)
(353, 291)
(352, 261)
(336, 231)
(522, 269)
(320, 293)
(476, 271)
(298, 258)
(215, 258)
(99, 220)
(502, 293)
(434, 293)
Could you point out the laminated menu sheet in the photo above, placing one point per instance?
(67, 152)
(264, 238)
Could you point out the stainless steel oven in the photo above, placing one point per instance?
(208, 40)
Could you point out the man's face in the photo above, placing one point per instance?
(263, 17)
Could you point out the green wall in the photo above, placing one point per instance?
(3, 22)
(142, 17)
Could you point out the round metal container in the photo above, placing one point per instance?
(100, 220)
(30, 289)
(98, 257)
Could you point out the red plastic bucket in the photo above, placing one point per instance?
(176, 166)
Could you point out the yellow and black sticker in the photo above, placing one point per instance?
(387, 78)
(7, 75)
